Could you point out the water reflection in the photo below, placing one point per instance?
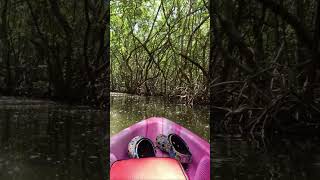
(44, 140)
(234, 157)
(128, 109)
(276, 158)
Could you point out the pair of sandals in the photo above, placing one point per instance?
(175, 146)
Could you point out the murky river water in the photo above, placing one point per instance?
(233, 157)
(276, 158)
(45, 140)
(41, 140)
(127, 110)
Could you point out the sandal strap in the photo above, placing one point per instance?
(164, 144)
(183, 158)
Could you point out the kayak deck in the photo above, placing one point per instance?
(154, 126)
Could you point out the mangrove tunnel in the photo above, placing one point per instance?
(242, 74)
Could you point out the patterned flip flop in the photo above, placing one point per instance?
(141, 147)
(175, 146)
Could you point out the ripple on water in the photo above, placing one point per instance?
(127, 110)
(39, 138)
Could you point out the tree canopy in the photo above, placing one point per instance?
(54, 49)
(160, 47)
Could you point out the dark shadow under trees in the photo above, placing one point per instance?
(264, 63)
(55, 49)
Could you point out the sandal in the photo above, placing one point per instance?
(175, 146)
(141, 147)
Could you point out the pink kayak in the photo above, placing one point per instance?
(199, 169)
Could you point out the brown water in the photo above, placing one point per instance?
(129, 109)
(238, 157)
(276, 158)
(50, 141)
(42, 140)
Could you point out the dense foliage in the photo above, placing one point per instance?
(261, 68)
(264, 64)
(54, 49)
(255, 61)
(160, 48)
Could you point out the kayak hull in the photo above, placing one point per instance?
(151, 128)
